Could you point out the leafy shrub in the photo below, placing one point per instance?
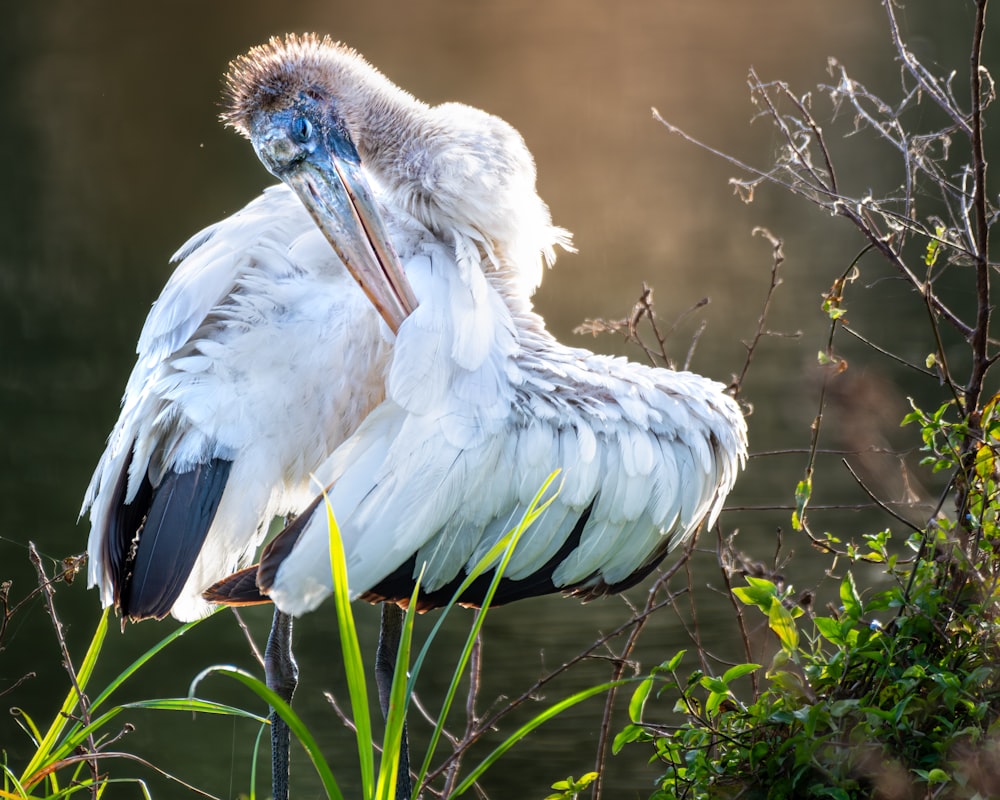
(894, 690)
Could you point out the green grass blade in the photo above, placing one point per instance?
(398, 701)
(295, 724)
(196, 706)
(502, 550)
(62, 719)
(252, 794)
(73, 740)
(354, 667)
(528, 727)
(27, 724)
(70, 742)
(10, 779)
(132, 668)
(78, 733)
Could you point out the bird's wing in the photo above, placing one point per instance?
(208, 266)
(478, 416)
(141, 458)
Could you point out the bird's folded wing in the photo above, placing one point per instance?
(451, 461)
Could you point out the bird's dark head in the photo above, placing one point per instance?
(303, 102)
(293, 94)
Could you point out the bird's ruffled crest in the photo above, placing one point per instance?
(271, 75)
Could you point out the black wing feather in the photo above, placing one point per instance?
(398, 586)
(159, 535)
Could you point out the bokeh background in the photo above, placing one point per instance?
(112, 155)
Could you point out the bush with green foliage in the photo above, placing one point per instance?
(894, 691)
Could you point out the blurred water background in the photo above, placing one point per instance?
(112, 156)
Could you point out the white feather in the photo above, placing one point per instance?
(262, 350)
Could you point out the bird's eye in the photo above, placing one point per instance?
(301, 129)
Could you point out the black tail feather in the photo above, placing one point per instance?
(281, 545)
(239, 589)
(161, 550)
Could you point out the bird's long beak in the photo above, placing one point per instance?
(338, 196)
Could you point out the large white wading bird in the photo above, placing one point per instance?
(482, 404)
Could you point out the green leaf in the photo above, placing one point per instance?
(850, 598)
(638, 701)
(671, 665)
(934, 247)
(630, 733)
(938, 776)
(830, 629)
(738, 671)
(759, 592)
(782, 623)
(803, 491)
(714, 701)
(985, 462)
(714, 685)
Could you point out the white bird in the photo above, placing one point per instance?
(261, 355)
(482, 403)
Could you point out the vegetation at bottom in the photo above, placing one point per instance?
(878, 677)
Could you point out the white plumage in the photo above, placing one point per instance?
(453, 456)
(261, 351)
(482, 404)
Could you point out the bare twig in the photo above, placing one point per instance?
(621, 662)
(26, 677)
(88, 757)
(721, 545)
(880, 503)
(471, 718)
(254, 650)
(980, 361)
(778, 258)
(46, 585)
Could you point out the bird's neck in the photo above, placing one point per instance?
(465, 175)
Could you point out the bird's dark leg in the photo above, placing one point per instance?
(385, 667)
(282, 675)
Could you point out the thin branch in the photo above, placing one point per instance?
(254, 650)
(76, 759)
(737, 608)
(881, 350)
(492, 721)
(979, 209)
(927, 81)
(778, 258)
(46, 584)
(884, 506)
(620, 664)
